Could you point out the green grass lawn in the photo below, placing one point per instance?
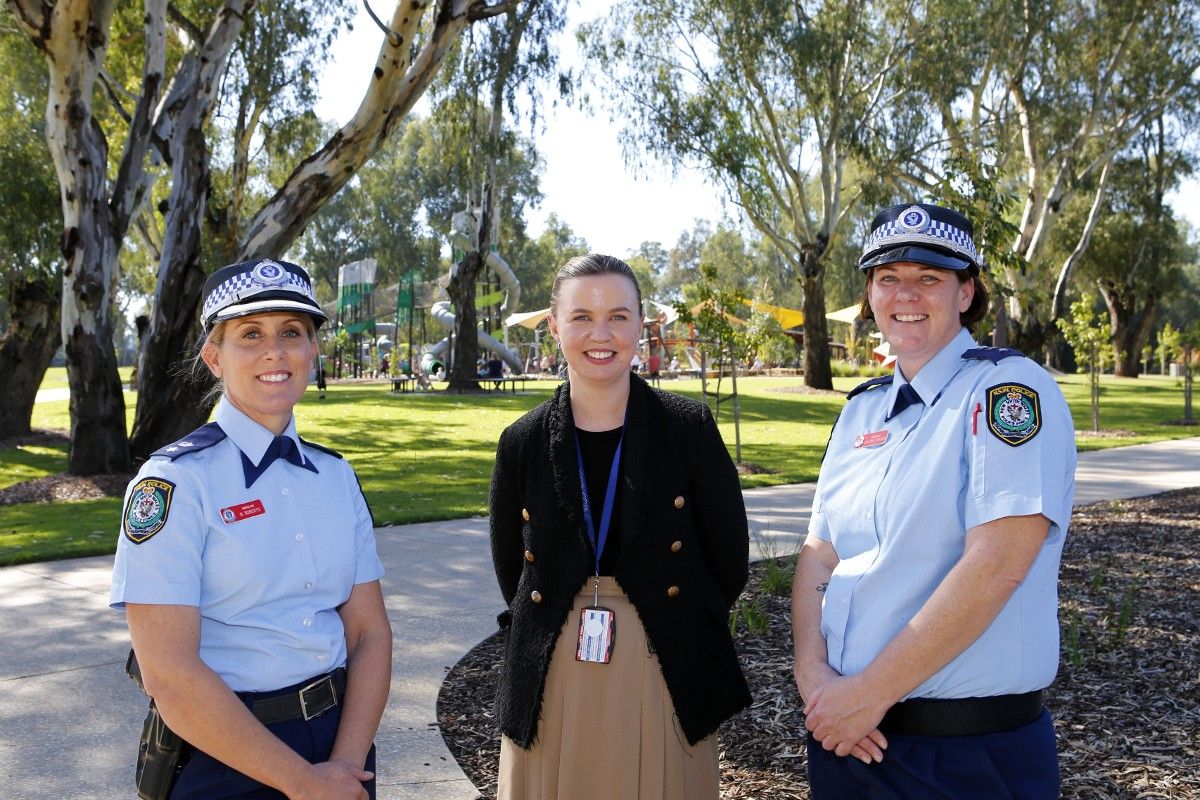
(56, 377)
(429, 456)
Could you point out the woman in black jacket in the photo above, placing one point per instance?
(619, 665)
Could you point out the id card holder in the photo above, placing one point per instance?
(597, 634)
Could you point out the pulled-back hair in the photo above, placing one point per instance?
(592, 264)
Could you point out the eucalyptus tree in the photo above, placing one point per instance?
(516, 50)
(398, 208)
(796, 108)
(75, 36)
(415, 43)
(1138, 248)
(165, 117)
(1047, 95)
(30, 283)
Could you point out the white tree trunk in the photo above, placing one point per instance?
(395, 87)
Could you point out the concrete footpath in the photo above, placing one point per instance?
(69, 718)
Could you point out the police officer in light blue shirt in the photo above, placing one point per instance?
(925, 597)
(248, 571)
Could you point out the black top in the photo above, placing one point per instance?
(597, 449)
(682, 563)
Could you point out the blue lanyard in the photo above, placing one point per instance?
(610, 496)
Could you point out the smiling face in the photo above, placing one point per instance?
(263, 361)
(917, 309)
(597, 321)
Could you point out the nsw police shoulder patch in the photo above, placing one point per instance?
(147, 509)
(1014, 413)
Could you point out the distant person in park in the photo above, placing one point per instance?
(248, 572)
(620, 543)
(383, 367)
(925, 597)
(321, 383)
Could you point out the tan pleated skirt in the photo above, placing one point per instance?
(608, 731)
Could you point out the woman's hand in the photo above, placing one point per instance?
(844, 718)
(333, 780)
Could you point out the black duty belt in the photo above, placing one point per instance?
(968, 716)
(310, 701)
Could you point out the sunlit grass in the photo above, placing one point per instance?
(429, 456)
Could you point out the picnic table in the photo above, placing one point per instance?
(403, 383)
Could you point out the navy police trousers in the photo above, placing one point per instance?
(205, 778)
(1020, 764)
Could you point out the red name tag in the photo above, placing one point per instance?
(870, 439)
(251, 508)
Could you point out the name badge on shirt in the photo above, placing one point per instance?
(870, 439)
(241, 511)
(597, 633)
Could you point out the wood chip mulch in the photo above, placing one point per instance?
(61, 486)
(1126, 702)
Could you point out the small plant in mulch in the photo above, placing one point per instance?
(1126, 701)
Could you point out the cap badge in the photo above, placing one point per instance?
(268, 273)
(914, 219)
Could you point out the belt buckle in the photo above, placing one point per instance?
(323, 707)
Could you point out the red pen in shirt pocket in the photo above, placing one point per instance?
(975, 419)
(251, 508)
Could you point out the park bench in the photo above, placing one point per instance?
(510, 382)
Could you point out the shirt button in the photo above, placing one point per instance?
(308, 585)
(320, 658)
(676, 546)
(308, 623)
(679, 501)
(525, 514)
(535, 596)
(299, 537)
(672, 591)
(529, 556)
(285, 491)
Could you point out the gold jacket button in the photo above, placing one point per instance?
(529, 556)
(525, 514)
(676, 546)
(672, 591)
(535, 596)
(679, 501)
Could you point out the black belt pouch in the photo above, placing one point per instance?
(160, 758)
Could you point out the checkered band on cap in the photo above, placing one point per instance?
(255, 278)
(914, 226)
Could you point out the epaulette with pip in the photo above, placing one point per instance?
(882, 380)
(202, 438)
(992, 354)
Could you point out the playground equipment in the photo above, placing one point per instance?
(462, 238)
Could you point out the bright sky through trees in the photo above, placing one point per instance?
(586, 183)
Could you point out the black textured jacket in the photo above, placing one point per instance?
(683, 557)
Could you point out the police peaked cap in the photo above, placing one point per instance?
(921, 233)
(257, 287)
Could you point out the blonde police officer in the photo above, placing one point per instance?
(925, 600)
(248, 571)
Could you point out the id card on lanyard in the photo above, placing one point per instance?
(598, 625)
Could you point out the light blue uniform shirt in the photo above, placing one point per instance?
(896, 497)
(267, 576)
